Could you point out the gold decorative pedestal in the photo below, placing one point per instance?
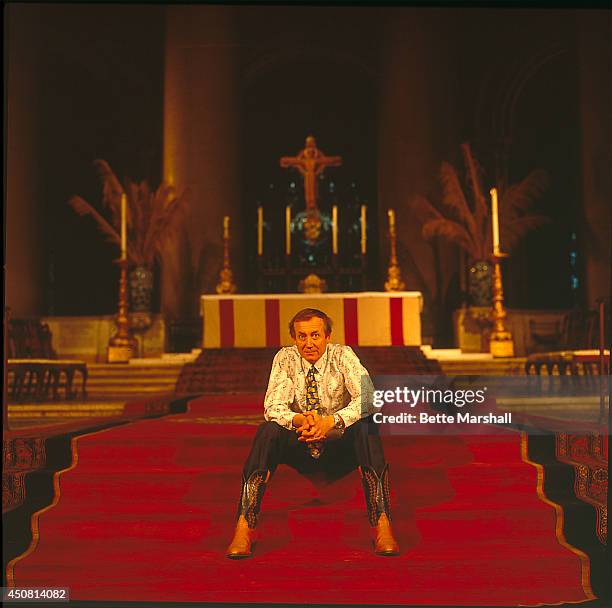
(501, 343)
(312, 284)
(122, 346)
(473, 328)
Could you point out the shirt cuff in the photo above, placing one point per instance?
(282, 416)
(350, 415)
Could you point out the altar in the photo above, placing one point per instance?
(360, 319)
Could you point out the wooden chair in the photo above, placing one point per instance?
(545, 336)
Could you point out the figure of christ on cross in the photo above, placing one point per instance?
(310, 162)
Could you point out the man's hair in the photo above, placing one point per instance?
(305, 315)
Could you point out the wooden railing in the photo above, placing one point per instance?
(33, 370)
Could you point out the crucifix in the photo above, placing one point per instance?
(311, 162)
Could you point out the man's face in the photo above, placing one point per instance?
(310, 338)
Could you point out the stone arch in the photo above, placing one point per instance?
(497, 102)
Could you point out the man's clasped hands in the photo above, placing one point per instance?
(311, 427)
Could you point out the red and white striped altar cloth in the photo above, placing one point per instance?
(359, 319)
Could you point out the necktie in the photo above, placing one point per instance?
(313, 403)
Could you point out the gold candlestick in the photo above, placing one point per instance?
(288, 230)
(335, 230)
(394, 274)
(363, 229)
(501, 341)
(122, 346)
(259, 230)
(226, 276)
(495, 220)
(123, 226)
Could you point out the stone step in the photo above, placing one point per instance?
(126, 373)
(126, 389)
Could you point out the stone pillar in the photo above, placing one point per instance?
(201, 113)
(595, 104)
(416, 134)
(25, 281)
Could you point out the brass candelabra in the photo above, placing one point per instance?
(394, 274)
(122, 346)
(501, 343)
(226, 276)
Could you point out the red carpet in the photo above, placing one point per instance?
(149, 508)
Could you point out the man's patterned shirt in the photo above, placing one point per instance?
(344, 385)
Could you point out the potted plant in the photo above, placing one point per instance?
(467, 223)
(151, 217)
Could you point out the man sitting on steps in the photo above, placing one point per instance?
(318, 409)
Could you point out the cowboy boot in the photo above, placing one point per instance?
(249, 505)
(376, 491)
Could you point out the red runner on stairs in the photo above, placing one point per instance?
(147, 510)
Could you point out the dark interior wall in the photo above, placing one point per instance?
(23, 241)
(91, 85)
(536, 124)
(595, 61)
(99, 96)
(547, 137)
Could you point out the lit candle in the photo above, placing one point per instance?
(495, 220)
(335, 230)
(259, 230)
(288, 230)
(226, 226)
(391, 215)
(123, 227)
(363, 229)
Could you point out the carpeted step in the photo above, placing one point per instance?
(214, 371)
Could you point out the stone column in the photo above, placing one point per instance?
(595, 104)
(25, 281)
(201, 113)
(416, 134)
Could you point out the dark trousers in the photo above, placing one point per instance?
(359, 446)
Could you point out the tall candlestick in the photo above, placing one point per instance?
(335, 230)
(259, 230)
(363, 229)
(288, 230)
(123, 226)
(495, 220)
(226, 278)
(122, 346)
(394, 274)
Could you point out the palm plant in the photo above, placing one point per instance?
(469, 225)
(150, 215)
